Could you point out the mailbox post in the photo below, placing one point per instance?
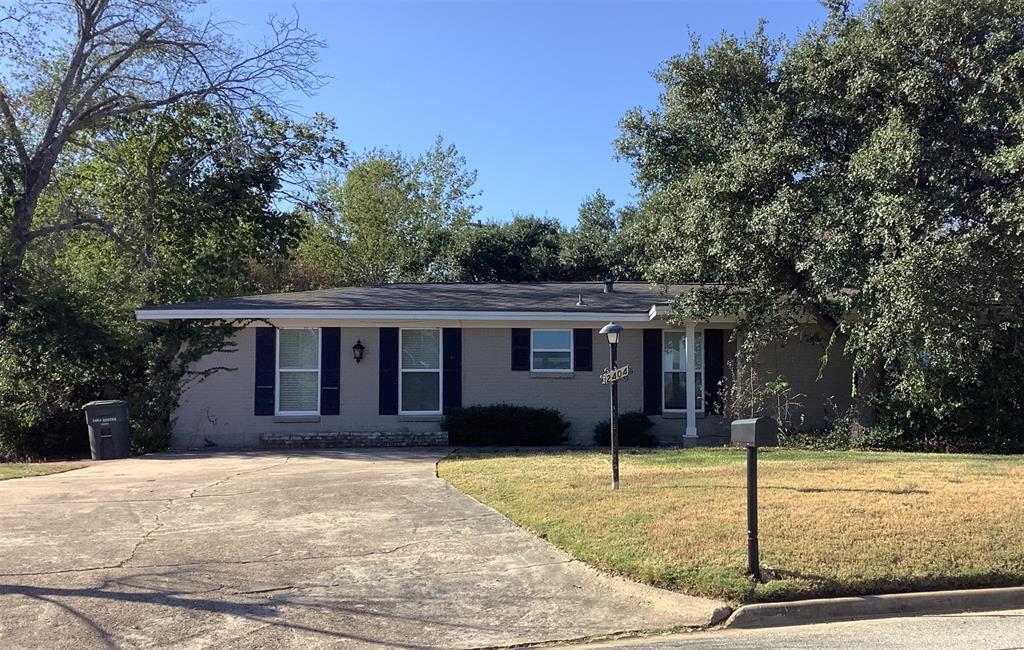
(754, 433)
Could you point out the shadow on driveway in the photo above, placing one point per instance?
(360, 548)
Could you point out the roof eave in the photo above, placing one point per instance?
(659, 311)
(151, 314)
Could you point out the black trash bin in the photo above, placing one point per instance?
(109, 429)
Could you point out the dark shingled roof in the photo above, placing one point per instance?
(627, 297)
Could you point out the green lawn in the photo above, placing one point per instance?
(832, 523)
(21, 470)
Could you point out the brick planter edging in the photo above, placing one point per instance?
(317, 440)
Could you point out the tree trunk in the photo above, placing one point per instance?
(14, 258)
(865, 415)
(36, 177)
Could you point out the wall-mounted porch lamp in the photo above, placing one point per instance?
(357, 351)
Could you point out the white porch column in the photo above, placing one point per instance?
(691, 383)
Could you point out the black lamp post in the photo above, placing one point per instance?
(612, 331)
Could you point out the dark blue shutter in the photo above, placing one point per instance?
(652, 371)
(388, 395)
(714, 367)
(330, 371)
(520, 348)
(266, 371)
(452, 368)
(583, 349)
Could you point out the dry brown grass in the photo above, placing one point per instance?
(831, 522)
(20, 470)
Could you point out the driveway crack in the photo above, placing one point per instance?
(157, 524)
(195, 492)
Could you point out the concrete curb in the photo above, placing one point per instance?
(822, 610)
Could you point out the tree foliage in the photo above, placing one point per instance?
(395, 218)
(73, 69)
(534, 249)
(391, 218)
(589, 251)
(866, 175)
(527, 249)
(194, 197)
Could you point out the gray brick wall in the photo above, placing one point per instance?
(580, 396)
(319, 440)
(798, 359)
(219, 409)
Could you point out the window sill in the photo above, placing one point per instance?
(296, 419)
(420, 418)
(552, 374)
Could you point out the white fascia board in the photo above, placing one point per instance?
(659, 311)
(390, 315)
(664, 312)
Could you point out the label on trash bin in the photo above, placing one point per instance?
(103, 420)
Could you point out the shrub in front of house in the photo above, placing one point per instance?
(830, 439)
(634, 431)
(837, 438)
(505, 425)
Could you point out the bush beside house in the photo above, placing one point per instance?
(634, 431)
(505, 425)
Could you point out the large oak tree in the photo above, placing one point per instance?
(867, 176)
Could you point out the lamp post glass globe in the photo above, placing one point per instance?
(612, 331)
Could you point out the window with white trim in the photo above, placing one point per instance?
(419, 390)
(298, 371)
(550, 350)
(674, 370)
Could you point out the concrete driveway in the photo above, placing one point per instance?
(270, 550)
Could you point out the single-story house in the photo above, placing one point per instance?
(380, 365)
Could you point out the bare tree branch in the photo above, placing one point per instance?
(79, 222)
(95, 61)
(13, 132)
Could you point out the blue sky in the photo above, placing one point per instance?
(530, 92)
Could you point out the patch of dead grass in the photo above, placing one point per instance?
(21, 470)
(832, 523)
